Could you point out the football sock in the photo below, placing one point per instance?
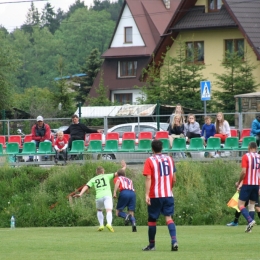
(151, 233)
(237, 215)
(172, 230)
(245, 213)
(100, 217)
(122, 214)
(109, 218)
(258, 213)
(132, 220)
(252, 214)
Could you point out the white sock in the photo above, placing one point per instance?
(100, 217)
(109, 218)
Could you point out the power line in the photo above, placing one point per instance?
(24, 1)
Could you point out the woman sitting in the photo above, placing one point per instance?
(192, 128)
(176, 129)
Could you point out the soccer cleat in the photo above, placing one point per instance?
(175, 246)
(110, 228)
(127, 219)
(101, 228)
(148, 248)
(134, 229)
(232, 224)
(250, 226)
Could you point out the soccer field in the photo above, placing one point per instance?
(195, 242)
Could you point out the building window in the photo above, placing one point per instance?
(195, 51)
(128, 34)
(214, 5)
(235, 45)
(127, 69)
(124, 98)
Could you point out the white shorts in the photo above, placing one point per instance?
(104, 203)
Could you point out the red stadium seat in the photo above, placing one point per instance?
(112, 136)
(27, 139)
(161, 135)
(234, 132)
(128, 136)
(95, 136)
(15, 139)
(145, 135)
(244, 132)
(67, 136)
(2, 141)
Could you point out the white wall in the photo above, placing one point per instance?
(127, 20)
(135, 92)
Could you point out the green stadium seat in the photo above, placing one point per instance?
(128, 145)
(12, 148)
(213, 144)
(95, 146)
(144, 145)
(29, 148)
(166, 144)
(178, 145)
(111, 146)
(245, 142)
(196, 144)
(231, 143)
(1, 150)
(77, 147)
(45, 148)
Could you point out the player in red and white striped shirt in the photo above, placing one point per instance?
(159, 171)
(127, 198)
(249, 190)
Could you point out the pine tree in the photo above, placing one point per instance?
(32, 19)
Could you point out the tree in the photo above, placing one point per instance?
(91, 68)
(237, 79)
(32, 19)
(49, 18)
(77, 5)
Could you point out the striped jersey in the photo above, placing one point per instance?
(251, 161)
(161, 168)
(125, 183)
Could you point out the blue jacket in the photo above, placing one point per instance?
(255, 128)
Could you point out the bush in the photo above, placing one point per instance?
(201, 193)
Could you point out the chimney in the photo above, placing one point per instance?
(167, 3)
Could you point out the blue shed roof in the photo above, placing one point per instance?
(72, 76)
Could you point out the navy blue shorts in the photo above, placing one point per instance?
(127, 199)
(164, 206)
(249, 192)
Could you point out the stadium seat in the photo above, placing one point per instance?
(67, 136)
(231, 143)
(245, 142)
(213, 144)
(15, 139)
(95, 146)
(145, 135)
(12, 148)
(77, 147)
(178, 145)
(45, 148)
(128, 136)
(95, 136)
(144, 145)
(161, 134)
(1, 150)
(234, 132)
(2, 140)
(111, 146)
(244, 132)
(166, 144)
(128, 145)
(196, 144)
(112, 136)
(29, 148)
(27, 139)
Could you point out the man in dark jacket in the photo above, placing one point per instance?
(77, 130)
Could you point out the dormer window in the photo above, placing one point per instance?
(128, 35)
(214, 5)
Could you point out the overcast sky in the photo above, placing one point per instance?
(13, 12)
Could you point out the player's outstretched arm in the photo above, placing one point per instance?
(116, 188)
(85, 188)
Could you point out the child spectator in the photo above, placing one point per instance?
(208, 129)
(191, 128)
(60, 147)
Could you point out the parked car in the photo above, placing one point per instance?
(132, 127)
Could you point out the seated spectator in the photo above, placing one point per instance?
(60, 147)
(176, 129)
(178, 111)
(222, 127)
(41, 132)
(191, 128)
(208, 129)
(255, 128)
(78, 130)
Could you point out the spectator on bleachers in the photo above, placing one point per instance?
(208, 129)
(178, 111)
(191, 128)
(255, 128)
(176, 129)
(41, 132)
(78, 130)
(222, 127)
(60, 147)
